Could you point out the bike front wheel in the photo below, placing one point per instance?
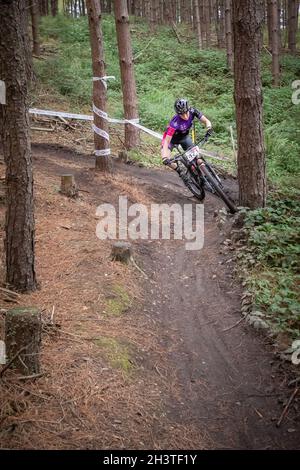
(220, 192)
(194, 184)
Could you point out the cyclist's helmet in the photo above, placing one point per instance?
(181, 106)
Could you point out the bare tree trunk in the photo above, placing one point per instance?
(100, 126)
(54, 7)
(292, 25)
(202, 22)
(44, 7)
(27, 44)
(35, 26)
(14, 130)
(247, 23)
(147, 9)
(269, 23)
(221, 22)
(279, 22)
(198, 24)
(184, 11)
(275, 43)
(228, 34)
(127, 72)
(152, 16)
(207, 23)
(168, 14)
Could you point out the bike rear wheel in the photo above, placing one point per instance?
(220, 192)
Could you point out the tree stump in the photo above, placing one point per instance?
(121, 251)
(23, 328)
(68, 186)
(123, 156)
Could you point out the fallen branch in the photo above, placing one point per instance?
(236, 324)
(42, 129)
(287, 407)
(83, 191)
(10, 292)
(12, 360)
(29, 377)
(176, 33)
(138, 268)
(38, 57)
(295, 381)
(143, 50)
(268, 50)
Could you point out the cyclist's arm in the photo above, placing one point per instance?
(206, 122)
(165, 151)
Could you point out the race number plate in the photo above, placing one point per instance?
(192, 154)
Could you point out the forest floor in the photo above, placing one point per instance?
(150, 358)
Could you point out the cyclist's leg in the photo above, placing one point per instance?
(186, 142)
(170, 148)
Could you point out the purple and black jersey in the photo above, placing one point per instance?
(179, 127)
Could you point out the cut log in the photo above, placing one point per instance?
(68, 186)
(23, 328)
(121, 251)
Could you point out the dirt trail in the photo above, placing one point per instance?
(226, 379)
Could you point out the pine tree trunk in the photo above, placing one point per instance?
(152, 16)
(279, 22)
(222, 23)
(202, 22)
(207, 23)
(228, 34)
(198, 24)
(269, 23)
(168, 14)
(27, 44)
(275, 43)
(292, 25)
(184, 11)
(127, 72)
(54, 7)
(14, 130)
(35, 26)
(43, 7)
(100, 126)
(247, 22)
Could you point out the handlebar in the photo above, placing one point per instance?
(200, 143)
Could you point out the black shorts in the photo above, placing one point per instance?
(185, 141)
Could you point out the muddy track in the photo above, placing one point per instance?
(227, 380)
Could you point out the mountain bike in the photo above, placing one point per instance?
(199, 176)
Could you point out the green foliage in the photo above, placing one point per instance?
(272, 262)
(116, 352)
(166, 70)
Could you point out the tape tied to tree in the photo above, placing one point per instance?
(104, 79)
(102, 153)
(100, 132)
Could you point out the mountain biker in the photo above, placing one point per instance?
(177, 132)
